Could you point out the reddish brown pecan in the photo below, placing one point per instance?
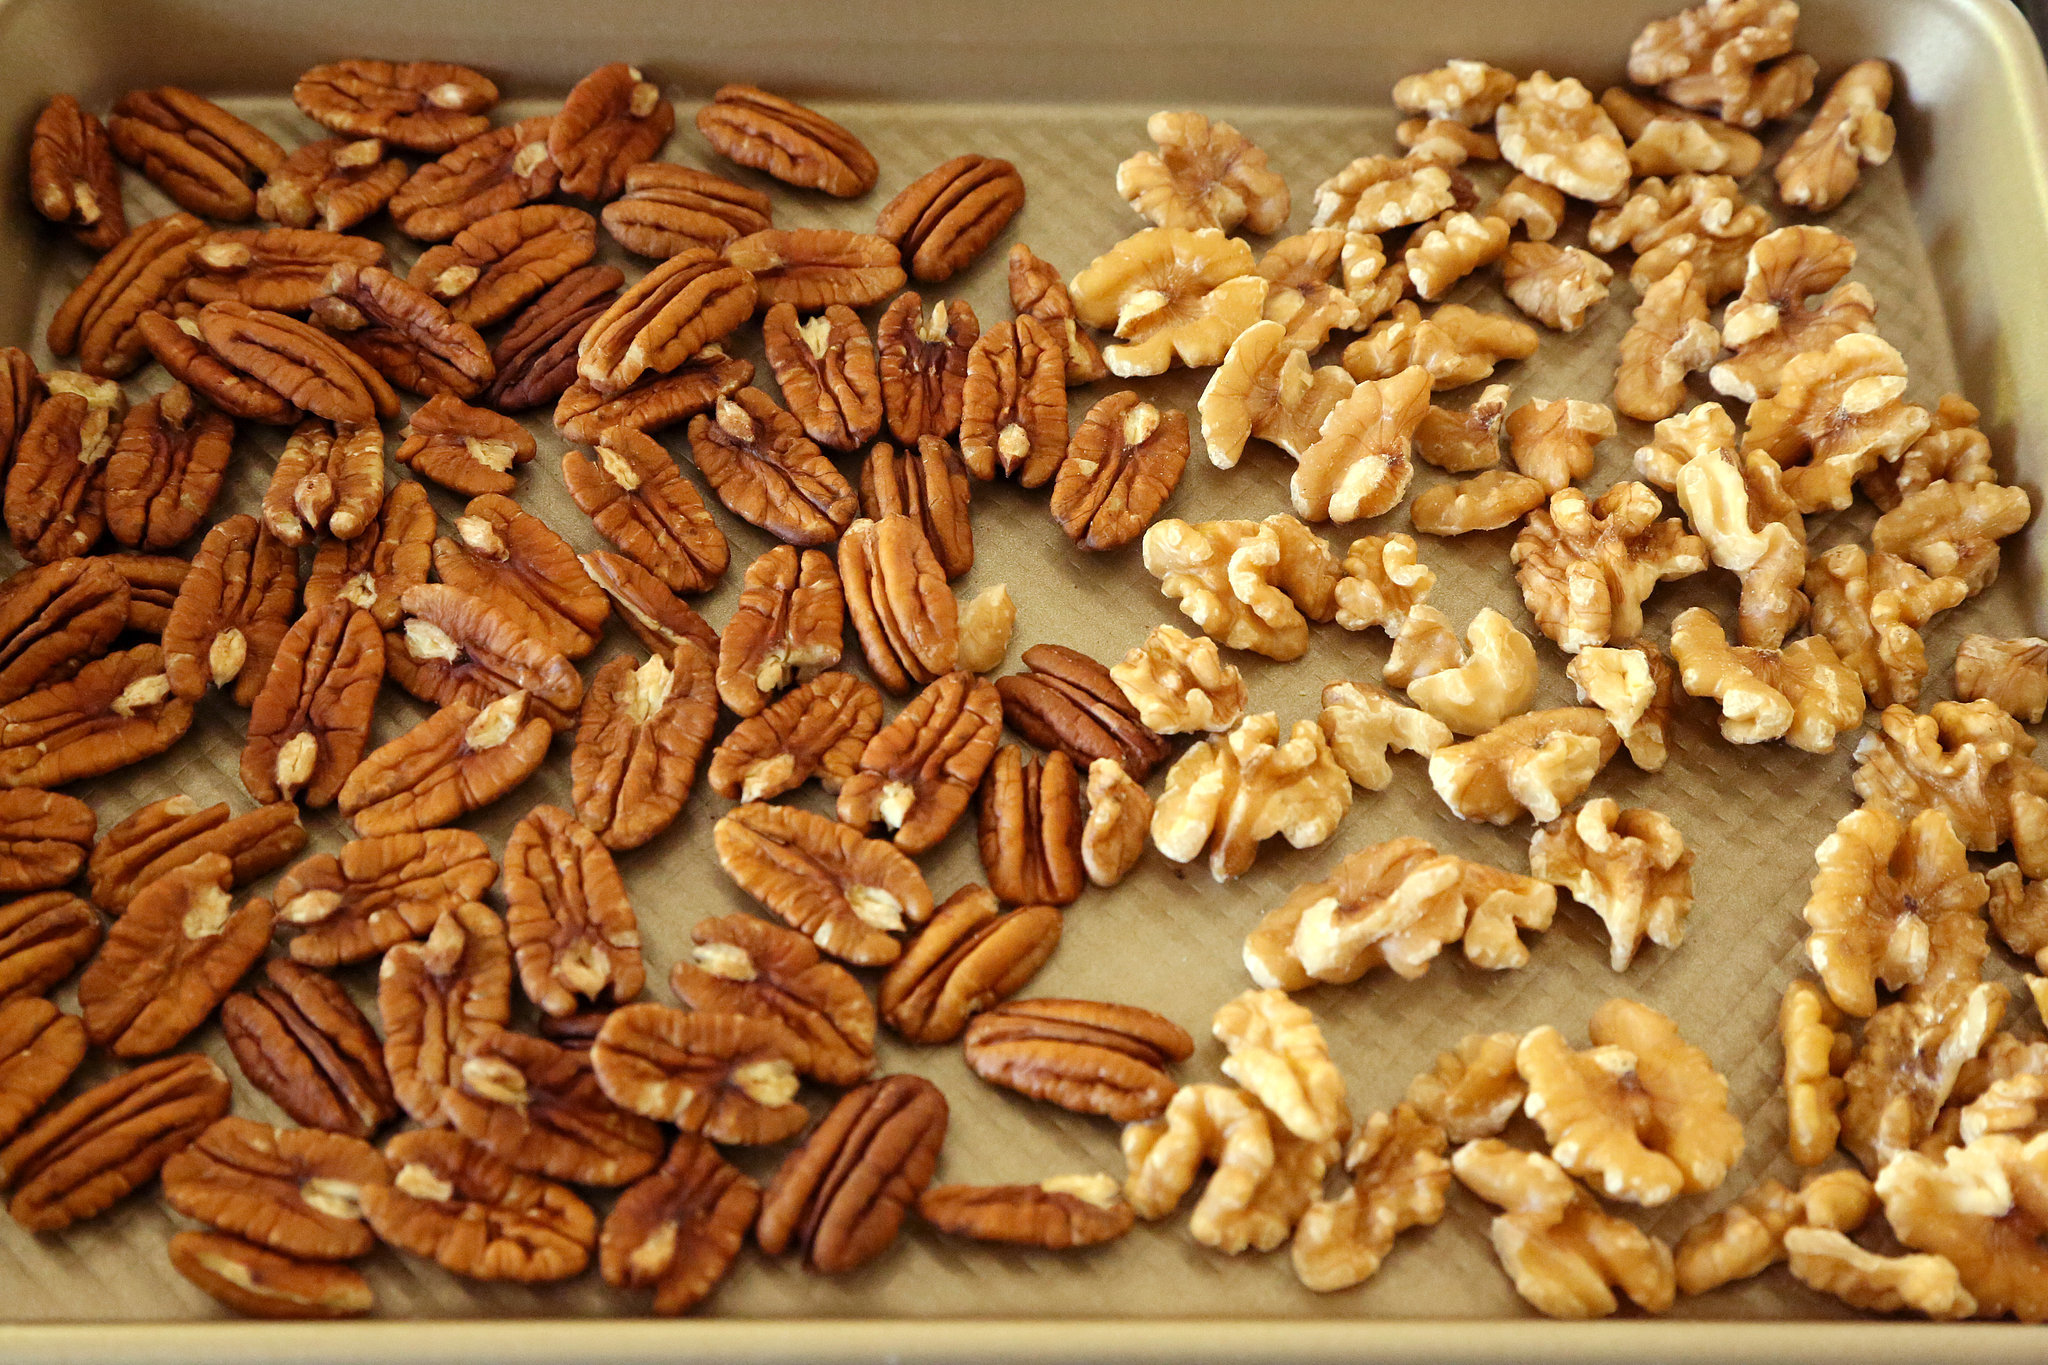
(1038, 289)
(423, 106)
(796, 145)
(306, 367)
(656, 403)
(1013, 407)
(44, 837)
(789, 624)
(334, 184)
(140, 275)
(325, 479)
(826, 367)
(380, 892)
(294, 1190)
(918, 772)
(745, 965)
(1030, 828)
(1070, 702)
(512, 559)
(166, 469)
(471, 450)
(817, 728)
(931, 487)
(1052, 1215)
(493, 171)
(946, 217)
(43, 938)
(842, 1195)
(536, 357)
(668, 208)
(178, 347)
(40, 1048)
(282, 269)
(677, 309)
(196, 152)
(494, 266)
(79, 1161)
(1122, 465)
(768, 473)
(174, 832)
(902, 608)
(21, 388)
(72, 178)
(678, 1231)
(451, 1200)
(1084, 1055)
(967, 959)
(154, 582)
(54, 619)
(403, 334)
(458, 760)
(849, 894)
(813, 268)
(55, 500)
(923, 364)
(613, 119)
(374, 569)
(301, 1041)
(118, 710)
(231, 612)
(573, 933)
(310, 721)
(438, 996)
(538, 1107)
(657, 617)
(730, 1077)
(258, 1283)
(643, 730)
(174, 956)
(456, 647)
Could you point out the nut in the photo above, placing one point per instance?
(1537, 763)
(1669, 139)
(1485, 502)
(1037, 288)
(513, 560)
(496, 265)
(1751, 1235)
(1461, 91)
(1204, 175)
(165, 470)
(1445, 141)
(1815, 1056)
(841, 1196)
(456, 648)
(612, 120)
(668, 208)
(1555, 285)
(21, 389)
(262, 1284)
(688, 302)
(1831, 1263)
(678, 1231)
(117, 710)
(1229, 795)
(823, 879)
(1030, 828)
(1870, 608)
(97, 322)
(282, 269)
(537, 1107)
(310, 721)
(902, 609)
(44, 838)
(638, 741)
(1383, 579)
(1553, 132)
(2012, 674)
(987, 621)
(813, 268)
(636, 496)
(1398, 1181)
(1712, 57)
(1974, 1208)
(1448, 248)
(1951, 529)
(1849, 131)
(1121, 467)
(1119, 816)
(55, 497)
(193, 150)
(1179, 683)
(393, 553)
(1629, 867)
(172, 833)
(1359, 465)
(436, 998)
(459, 759)
(1585, 567)
(946, 217)
(55, 618)
(1836, 414)
(1266, 388)
(787, 627)
(1380, 193)
(1170, 293)
(768, 473)
(1699, 220)
(744, 965)
(930, 486)
(1082, 1055)
(917, 773)
(380, 892)
(1554, 441)
(1773, 321)
(1275, 1051)
(326, 479)
(819, 728)
(72, 178)
(1968, 761)
(332, 184)
(1803, 694)
(1302, 298)
(923, 364)
(1668, 339)
(454, 1202)
(1070, 702)
(796, 145)
(1910, 1062)
(400, 331)
(1013, 404)
(1250, 584)
(300, 1040)
(1456, 344)
(1058, 1214)
(1534, 207)
(423, 106)
(1472, 1091)
(467, 449)
(1264, 1179)
(40, 1048)
(1752, 527)
(493, 170)
(1953, 449)
(1632, 686)
(43, 939)
(967, 959)
(572, 930)
(659, 619)
(1473, 695)
(1362, 723)
(293, 1190)
(827, 370)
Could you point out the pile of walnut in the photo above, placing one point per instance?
(302, 325)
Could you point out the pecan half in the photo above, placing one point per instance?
(43, 839)
(917, 773)
(231, 612)
(170, 959)
(653, 404)
(55, 500)
(967, 959)
(493, 267)
(923, 363)
(72, 178)
(153, 585)
(637, 497)
(456, 648)
(40, 1048)
(175, 832)
(678, 1231)
(495, 170)
(300, 1040)
(310, 722)
(334, 184)
(642, 732)
(459, 759)
(118, 710)
(730, 1077)
(422, 106)
(812, 268)
(827, 369)
(512, 559)
(613, 119)
(931, 487)
(196, 152)
(1121, 466)
(373, 570)
(437, 997)
(745, 965)
(1038, 289)
(538, 1107)
(43, 938)
(819, 728)
(259, 1283)
(471, 450)
(849, 894)
(788, 625)
(307, 368)
(79, 1161)
(293, 1190)
(1084, 1055)
(97, 320)
(377, 893)
(454, 1202)
(841, 1196)
(1057, 1214)
(768, 473)
(1030, 828)
(573, 933)
(1013, 407)
(946, 217)
(796, 145)
(686, 303)
(402, 333)
(325, 479)
(668, 208)
(282, 269)
(1070, 702)
(179, 348)
(54, 619)
(657, 617)
(902, 608)
(536, 357)
(21, 389)
(166, 469)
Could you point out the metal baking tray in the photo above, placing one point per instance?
(1952, 233)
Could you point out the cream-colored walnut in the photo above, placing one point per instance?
(1774, 319)
(1180, 683)
(1629, 867)
(1425, 644)
(1273, 1049)
(1456, 344)
(2010, 1104)
(1850, 130)
(1445, 141)
(1462, 91)
(1565, 1253)
(1953, 449)
(1972, 762)
(1363, 724)
(1748, 1237)
(1534, 207)
(1909, 1061)
(1643, 1113)
(1473, 1090)
(1374, 283)
(1668, 139)
(1171, 294)
(1668, 338)
(1383, 580)
(1753, 529)
(1448, 248)
(1984, 1208)
(1265, 1177)
(1359, 465)
(1953, 529)
(1462, 442)
(1378, 193)
(1632, 685)
(1203, 175)
(1553, 131)
(2010, 674)
(2019, 912)
(1119, 819)
(1556, 285)
(1535, 764)
(1803, 694)
(986, 621)
(1398, 1181)
(1871, 607)
(1266, 388)
(1494, 680)
(1702, 220)
(1713, 56)
(1585, 568)
(1302, 297)
(1554, 440)
(1831, 1263)
(1837, 413)
(1487, 501)
(1228, 795)
(1250, 584)
(1677, 441)
(1817, 1052)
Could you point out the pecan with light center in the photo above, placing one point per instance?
(392, 553)
(166, 469)
(171, 833)
(613, 119)
(826, 367)
(917, 774)
(651, 405)
(451, 1200)
(642, 732)
(196, 152)
(325, 479)
(403, 333)
(767, 472)
(668, 208)
(423, 106)
(260, 1283)
(1083, 1055)
(300, 1040)
(490, 269)
(1122, 465)
(310, 721)
(54, 619)
(512, 559)
(494, 170)
(1013, 414)
(468, 449)
(813, 268)
(538, 1107)
(437, 997)
(637, 497)
(43, 938)
(923, 364)
(536, 357)
(819, 728)
(40, 1048)
(786, 627)
(902, 608)
(946, 217)
(334, 183)
(266, 367)
(967, 959)
(116, 711)
(55, 500)
(677, 309)
(796, 145)
(657, 617)
(458, 760)
(730, 1077)
(841, 1196)
(282, 269)
(72, 178)
(932, 487)
(97, 320)
(457, 648)
(380, 892)
(44, 839)
(294, 1190)
(678, 1231)
(744, 965)
(823, 879)
(572, 931)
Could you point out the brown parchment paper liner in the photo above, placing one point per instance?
(1167, 938)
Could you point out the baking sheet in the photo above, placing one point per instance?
(1168, 938)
